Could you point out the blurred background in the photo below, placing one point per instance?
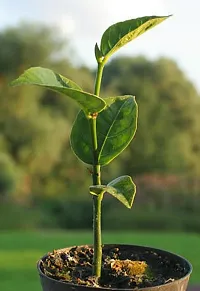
(44, 199)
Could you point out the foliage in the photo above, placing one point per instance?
(115, 130)
(56, 82)
(48, 183)
(106, 134)
(169, 145)
(121, 33)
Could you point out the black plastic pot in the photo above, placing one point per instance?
(49, 284)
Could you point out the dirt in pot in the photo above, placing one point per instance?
(120, 268)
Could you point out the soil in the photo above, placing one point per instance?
(120, 267)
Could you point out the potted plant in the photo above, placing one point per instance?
(103, 128)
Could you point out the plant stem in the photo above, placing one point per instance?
(96, 204)
(96, 176)
(97, 259)
(98, 79)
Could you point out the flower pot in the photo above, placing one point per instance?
(175, 266)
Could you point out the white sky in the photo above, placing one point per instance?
(84, 21)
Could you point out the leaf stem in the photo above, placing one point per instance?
(96, 176)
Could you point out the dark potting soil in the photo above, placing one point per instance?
(121, 268)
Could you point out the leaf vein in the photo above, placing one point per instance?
(103, 144)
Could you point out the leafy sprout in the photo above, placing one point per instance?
(104, 127)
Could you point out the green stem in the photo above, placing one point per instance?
(98, 79)
(96, 176)
(97, 259)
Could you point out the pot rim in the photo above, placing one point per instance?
(190, 268)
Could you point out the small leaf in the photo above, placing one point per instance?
(122, 33)
(123, 189)
(98, 53)
(116, 126)
(46, 78)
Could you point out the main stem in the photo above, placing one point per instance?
(96, 176)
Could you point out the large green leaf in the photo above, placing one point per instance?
(46, 78)
(116, 126)
(121, 188)
(121, 33)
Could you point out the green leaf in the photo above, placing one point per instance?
(116, 126)
(46, 78)
(121, 188)
(121, 33)
(98, 53)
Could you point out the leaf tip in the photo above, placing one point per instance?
(167, 16)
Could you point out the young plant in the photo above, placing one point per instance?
(104, 127)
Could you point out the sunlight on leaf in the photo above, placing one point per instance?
(48, 79)
(121, 33)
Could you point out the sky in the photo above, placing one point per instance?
(84, 21)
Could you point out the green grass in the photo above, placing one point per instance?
(20, 251)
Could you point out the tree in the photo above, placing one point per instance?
(35, 123)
